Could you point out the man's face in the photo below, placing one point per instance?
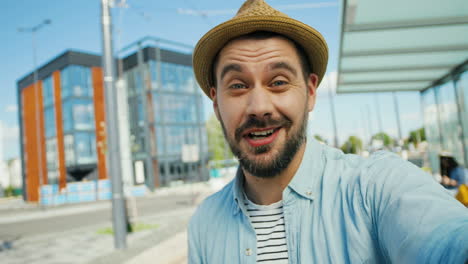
(262, 102)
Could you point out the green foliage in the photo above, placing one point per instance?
(11, 191)
(134, 227)
(352, 145)
(319, 138)
(417, 136)
(219, 150)
(387, 140)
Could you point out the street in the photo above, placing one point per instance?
(98, 214)
(78, 233)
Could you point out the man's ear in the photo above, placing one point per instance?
(312, 83)
(215, 101)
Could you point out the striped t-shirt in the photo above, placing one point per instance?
(268, 222)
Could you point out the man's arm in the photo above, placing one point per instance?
(415, 220)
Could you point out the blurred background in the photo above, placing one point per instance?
(397, 79)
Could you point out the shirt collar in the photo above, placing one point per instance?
(238, 191)
(305, 182)
(307, 178)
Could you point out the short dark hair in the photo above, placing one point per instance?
(261, 35)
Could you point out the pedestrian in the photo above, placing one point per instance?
(453, 174)
(294, 200)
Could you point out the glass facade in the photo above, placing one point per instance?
(431, 124)
(462, 95)
(50, 130)
(446, 120)
(173, 111)
(78, 116)
(165, 119)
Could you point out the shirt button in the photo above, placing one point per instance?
(308, 193)
(248, 252)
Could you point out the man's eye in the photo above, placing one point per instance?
(237, 86)
(278, 83)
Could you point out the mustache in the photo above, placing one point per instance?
(254, 122)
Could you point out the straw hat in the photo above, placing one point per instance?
(256, 15)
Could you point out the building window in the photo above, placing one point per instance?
(449, 121)
(85, 147)
(83, 115)
(76, 82)
(49, 118)
(51, 154)
(462, 88)
(431, 124)
(48, 92)
(69, 150)
(169, 76)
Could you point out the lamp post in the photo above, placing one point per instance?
(33, 31)
(112, 130)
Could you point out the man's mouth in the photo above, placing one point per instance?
(260, 137)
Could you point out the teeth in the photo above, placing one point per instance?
(262, 133)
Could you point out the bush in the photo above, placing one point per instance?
(11, 191)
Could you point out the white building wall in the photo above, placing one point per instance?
(4, 173)
(14, 169)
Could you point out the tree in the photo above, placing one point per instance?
(352, 145)
(417, 136)
(387, 140)
(217, 146)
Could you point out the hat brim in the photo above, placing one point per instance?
(212, 42)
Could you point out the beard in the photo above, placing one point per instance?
(272, 166)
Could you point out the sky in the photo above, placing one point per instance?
(76, 25)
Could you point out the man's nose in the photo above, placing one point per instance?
(259, 103)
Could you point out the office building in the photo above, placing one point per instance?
(62, 119)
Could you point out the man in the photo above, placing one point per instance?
(294, 200)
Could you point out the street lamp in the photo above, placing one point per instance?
(33, 31)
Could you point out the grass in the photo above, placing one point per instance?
(135, 227)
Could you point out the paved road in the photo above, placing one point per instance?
(68, 234)
(100, 213)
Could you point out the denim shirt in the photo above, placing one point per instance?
(341, 208)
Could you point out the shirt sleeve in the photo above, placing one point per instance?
(414, 219)
(194, 247)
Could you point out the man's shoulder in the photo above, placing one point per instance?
(214, 205)
(377, 166)
(376, 159)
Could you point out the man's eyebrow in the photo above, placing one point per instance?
(283, 65)
(230, 67)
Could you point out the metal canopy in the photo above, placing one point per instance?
(400, 45)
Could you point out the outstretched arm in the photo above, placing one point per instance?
(415, 220)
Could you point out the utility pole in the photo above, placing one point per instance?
(37, 94)
(397, 114)
(112, 131)
(332, 110)
(379, 117)
(369, 122)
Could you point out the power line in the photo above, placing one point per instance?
(219, 12)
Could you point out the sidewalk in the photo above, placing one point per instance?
(164, 244)
(174, 249)
(171, 251)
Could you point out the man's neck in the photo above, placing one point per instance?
(266, 191)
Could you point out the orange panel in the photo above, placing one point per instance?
(152, 129)
(100, 120)
(31, 99)
(43, 157)
(59, 126)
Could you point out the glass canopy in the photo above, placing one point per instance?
(400, 45)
